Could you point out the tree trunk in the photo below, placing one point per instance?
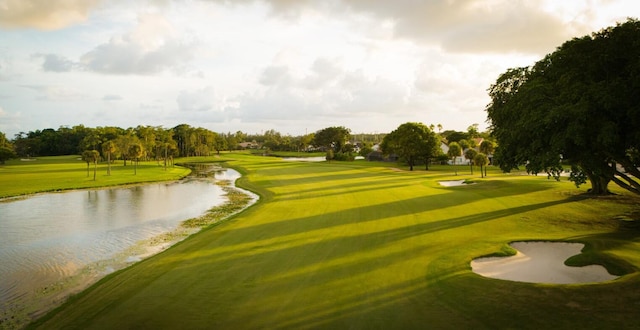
(599, 184)
(165, 158)
(87, 169)
(108, 163)
(95, 169)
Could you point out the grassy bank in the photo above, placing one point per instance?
(44, 174)
(364, 245)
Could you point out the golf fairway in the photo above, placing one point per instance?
(360, 245)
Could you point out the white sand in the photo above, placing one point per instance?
(541, 262)
(453, 183)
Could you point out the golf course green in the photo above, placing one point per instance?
(365, 245)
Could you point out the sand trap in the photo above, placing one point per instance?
(453, 183)
(305, 159)
(541, 262)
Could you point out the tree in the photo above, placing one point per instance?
(455, 150)
(4, 142)
(108, 148)
(470, 154)
(578, 106)
(91, 156)
(6, 153)
(487, 147)
(123, 142)
(166, 143)
(334, 138)
(473, 132)
(219, 142)
(306, 140)
(147, 137)
(365, 149)
(454, 136)
(481, 160)
(411, 141)
(6, 149)
(464, 144)
(330, 156)
(135, 152)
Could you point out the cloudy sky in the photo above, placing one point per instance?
(295, 66)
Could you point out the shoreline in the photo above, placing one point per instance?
(25, 310)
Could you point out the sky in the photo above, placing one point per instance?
(295, 66)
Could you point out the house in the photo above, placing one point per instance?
(249, 145)
(460, 160)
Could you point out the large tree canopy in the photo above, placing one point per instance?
(334, 138)
(579, 105)
(412, 142)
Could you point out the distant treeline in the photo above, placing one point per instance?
(180, 141)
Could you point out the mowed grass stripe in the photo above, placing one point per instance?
(337, 245)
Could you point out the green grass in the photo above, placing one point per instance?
(18, 177)
(260, 152)
(365, 245)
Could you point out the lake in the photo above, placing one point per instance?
(47, 238)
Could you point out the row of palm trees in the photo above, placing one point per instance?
(135, 152)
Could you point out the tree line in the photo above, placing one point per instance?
(156, 142)
(163, 144)
(414, 143)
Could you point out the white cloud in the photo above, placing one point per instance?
(44, 14)
(152, 47)
(57, 93)
(459, 26)
(288, 65)
(275, 75)
(200, 100)
(112, 97)
(8, 121)
(326, 89)
(56, 63)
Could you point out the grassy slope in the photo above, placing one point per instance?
(67, 172)
(337, 245)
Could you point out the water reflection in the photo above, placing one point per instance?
(48, 237)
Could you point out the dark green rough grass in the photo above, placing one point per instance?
(359, 245)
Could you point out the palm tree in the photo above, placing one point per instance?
(481, 160)
(91, 156)
(470, 154)
(135, 152)
(454, 151)
(109, 148)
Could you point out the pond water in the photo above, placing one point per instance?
(46, 238)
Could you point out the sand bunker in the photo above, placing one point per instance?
(453, 183)
(541, 262)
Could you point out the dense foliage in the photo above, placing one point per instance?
(6, 149)
(412, 142)
(579, 105)
(334, 141)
